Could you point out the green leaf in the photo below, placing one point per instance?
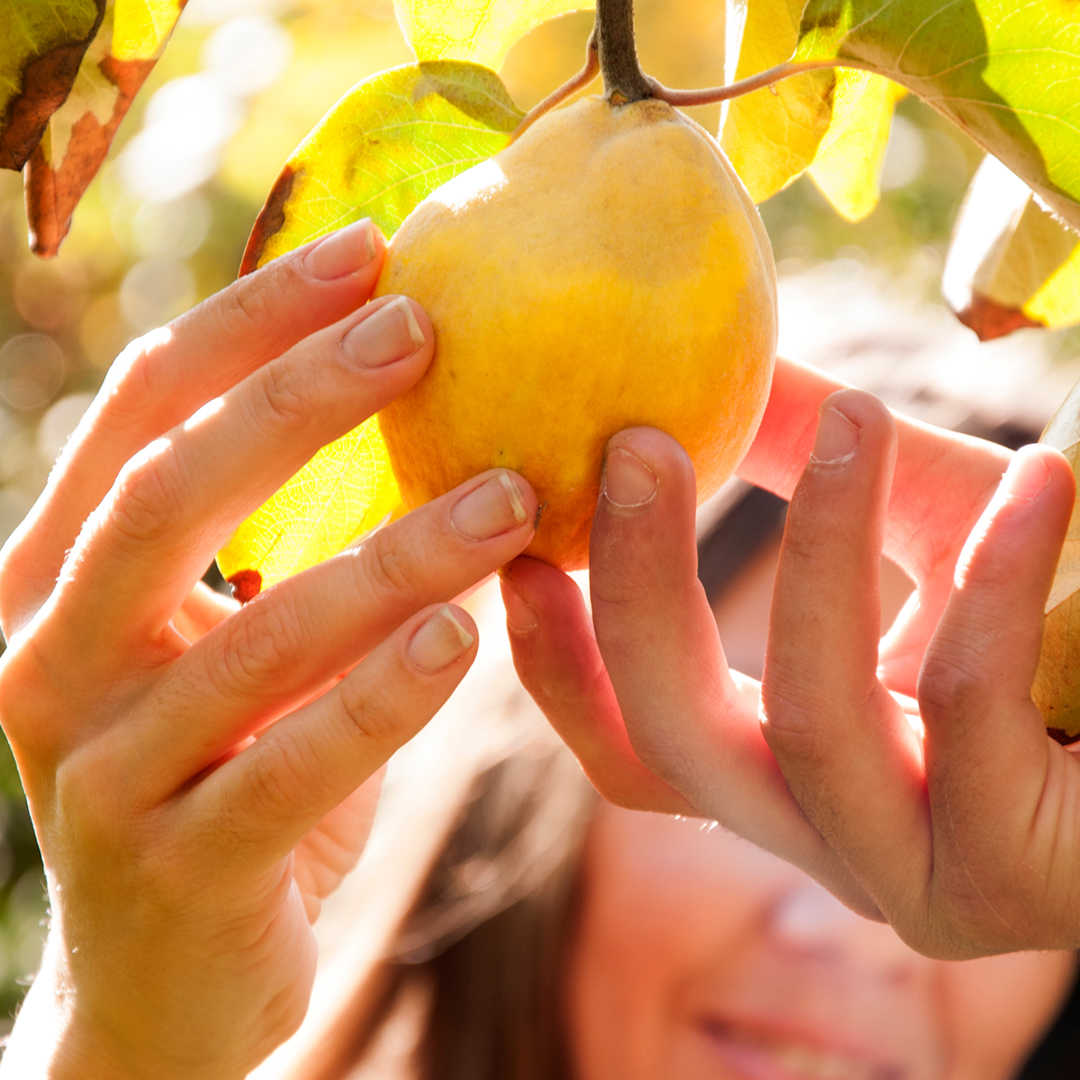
(478, 30)
(41, 46)
(76, 142)
(1011, 264)
(383, 148)
(847, 166)
(1007, 73)
(772, 135)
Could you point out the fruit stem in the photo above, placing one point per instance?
(624, 80)
(557, 97)
(707, 96)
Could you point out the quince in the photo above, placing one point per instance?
(606, 269)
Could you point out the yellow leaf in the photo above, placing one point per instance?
(773, 134)
(377, 153)
(1057, 302)
(141, 27)
(343, 492)
(847, 168)
(1011, 263)
(478, 30)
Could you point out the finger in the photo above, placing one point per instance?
(984, 735)
(258, 805)
(203, 609)
(164, 518)
(162, 378)
(559, 664)
(687, 718)
(924, 532)
(846, 749)
(291, 640)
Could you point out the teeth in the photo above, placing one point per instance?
(805, 1061)
(814, 1063)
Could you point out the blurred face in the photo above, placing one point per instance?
(698, 955)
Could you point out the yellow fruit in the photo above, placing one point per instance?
(607, 269)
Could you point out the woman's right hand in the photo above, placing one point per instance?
(194, 769)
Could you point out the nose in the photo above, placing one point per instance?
(808, 919)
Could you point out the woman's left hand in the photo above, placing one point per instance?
(913, 776)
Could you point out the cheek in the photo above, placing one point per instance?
(999, 1007)
(655, 913)
(663, 893)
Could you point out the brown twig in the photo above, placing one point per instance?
(678, 98)
(624, 81)
(571, 86)
(683, 98)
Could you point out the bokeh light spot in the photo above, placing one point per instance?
(32, 369)
(156, 290)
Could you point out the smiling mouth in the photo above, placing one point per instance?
(766, 1056)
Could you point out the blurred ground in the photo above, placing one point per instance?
(165, 223)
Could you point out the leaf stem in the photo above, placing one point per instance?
(624, 81)
(680, 98)
(571, 86)
(708, 95)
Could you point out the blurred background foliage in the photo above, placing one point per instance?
(165, 223)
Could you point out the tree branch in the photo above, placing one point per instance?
(624, 80)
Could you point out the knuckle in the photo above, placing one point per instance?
(971, 918)
(384, 565)
(248, 305)
(787, 715)
(283, 396)
(368, 712)
(950, 680)
(138, 379)
(89, 802)
(665, 758)
(27, 699)
(149, 496)
(262, 640)
(275, 775)
(16, 562)
(804, 545)
(133, 371)
(619, 596)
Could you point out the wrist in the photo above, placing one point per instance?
(47, 1040)
(53, 1040)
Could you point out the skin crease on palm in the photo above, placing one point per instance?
(731, 964)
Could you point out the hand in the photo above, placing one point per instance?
(963, 838)
(196, 770)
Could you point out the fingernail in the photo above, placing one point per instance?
(520, 617)
(439, 641)
(628, 482)
(492, 508)
(837, 439)
(392, 332)
(342, 252)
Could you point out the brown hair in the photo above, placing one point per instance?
(465, 979)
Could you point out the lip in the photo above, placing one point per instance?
(764, 1050)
